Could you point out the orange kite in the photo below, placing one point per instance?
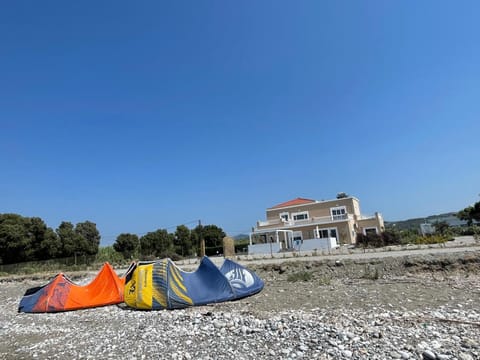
(61, 294)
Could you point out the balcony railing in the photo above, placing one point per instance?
(310, 221)
(366, 217)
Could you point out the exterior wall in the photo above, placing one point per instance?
(264, 248)
(344, 229)
(357, 209)
(375, 222)
(347, 235)
(316, 244)
(317, 209)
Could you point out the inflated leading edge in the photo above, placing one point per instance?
(161, 284)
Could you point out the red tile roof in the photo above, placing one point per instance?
(297, 201)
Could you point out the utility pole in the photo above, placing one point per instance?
(202, 240)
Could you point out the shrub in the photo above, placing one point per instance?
(391, 237)
(404, 237)
(369, 240)
(325, 280)
(108, 253)
(431, 239)
(371, 273)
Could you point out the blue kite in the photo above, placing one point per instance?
(157, 285)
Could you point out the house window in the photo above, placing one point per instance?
(300, 216)
(339, 213)
(326, 233)
(370, 230)
(333, 233)
(297, 235)
(323, 233)
(285, 216)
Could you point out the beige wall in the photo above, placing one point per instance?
(317, 209)
(376, 222)
(345, 233)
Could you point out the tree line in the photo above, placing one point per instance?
(184, 242)
(30, 239)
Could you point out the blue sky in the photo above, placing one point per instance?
(149, 115)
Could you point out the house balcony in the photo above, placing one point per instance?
(315, 220)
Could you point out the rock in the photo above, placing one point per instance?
(469, 343)
(428, 355)
(443, 357)
(395, 355)
(303, 347)
(218, 324)
(465, 356)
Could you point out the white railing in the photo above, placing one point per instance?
(366, 217)
(310, 221)
(316, 244)
(330, 219)
(270, 222)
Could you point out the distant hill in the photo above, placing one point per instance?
(450, 218)
(240, 237)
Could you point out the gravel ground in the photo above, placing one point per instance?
(413, 307)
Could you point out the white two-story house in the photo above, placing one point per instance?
(296, 222)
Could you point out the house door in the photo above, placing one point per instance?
(287, 242)
(333, 233)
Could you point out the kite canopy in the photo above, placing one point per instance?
(150, 285)
(61, 294)
(161, 284)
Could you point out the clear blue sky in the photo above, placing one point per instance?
(146, 115)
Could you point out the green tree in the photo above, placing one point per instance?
(441, 227)
(50, 246)
(45, 243)
(36, 229)
(470, 213)
(15, 242)
(127, 245)
(26, 239)
(183, 241)
(213, 236)
(69, 239)
(89, 237)
(158, 243)
(196, 236)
